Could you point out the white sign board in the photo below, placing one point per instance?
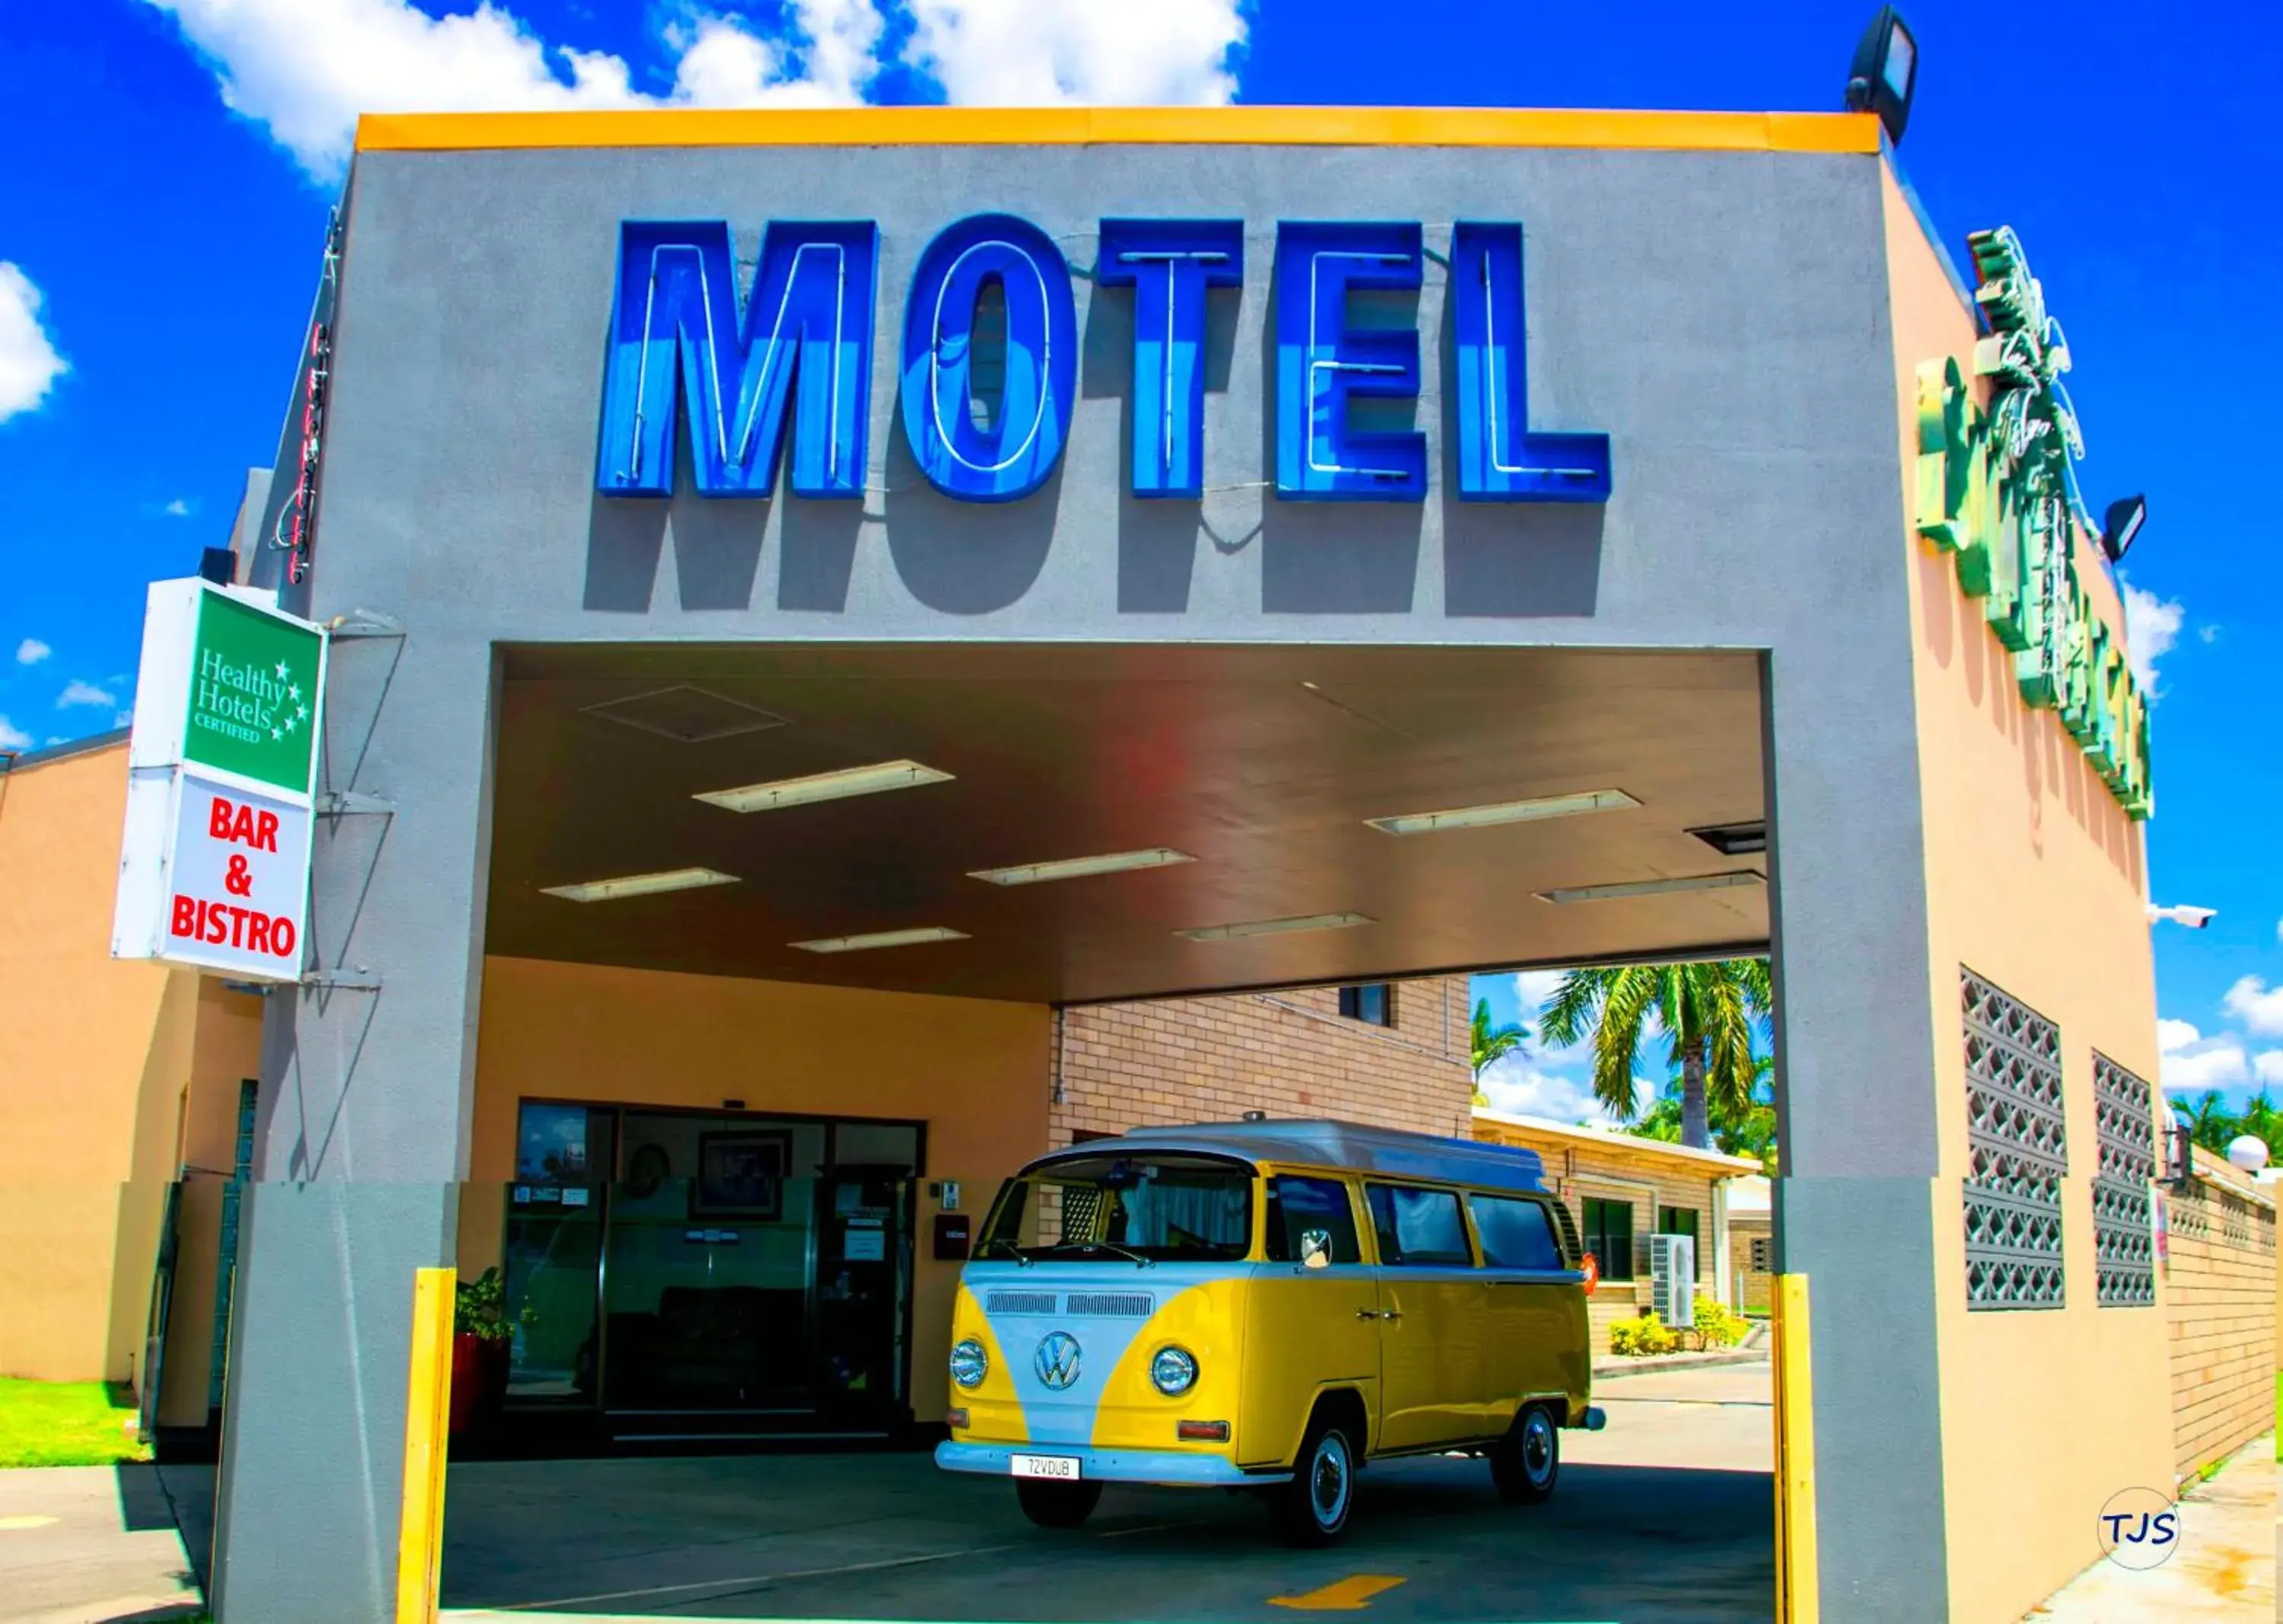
(214, 868)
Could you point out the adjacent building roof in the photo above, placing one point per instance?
(1335, 1145)
(1715, 1164)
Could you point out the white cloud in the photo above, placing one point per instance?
(12, 737)
(2258, 1006)
(29, 365)
(31, 651)
(76, 692)
(1119, 52)
(2267, 1065)
(1514, 1083)
(176, 509)
(2215, 1062)
(2152, 625)
(305, 69)
(2174, 1035)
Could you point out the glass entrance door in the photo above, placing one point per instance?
(709, 1264)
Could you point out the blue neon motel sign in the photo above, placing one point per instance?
(794, 360)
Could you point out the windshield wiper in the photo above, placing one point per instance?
(1101, 1245)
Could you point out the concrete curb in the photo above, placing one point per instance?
(1622, 1364)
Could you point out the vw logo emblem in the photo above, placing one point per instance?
(1056, 1361)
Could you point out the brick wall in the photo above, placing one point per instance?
(2220, 1300)
(1289, 1054)
(1759, 1283)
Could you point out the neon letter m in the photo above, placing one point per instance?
(678, 344)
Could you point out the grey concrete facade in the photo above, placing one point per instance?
(1722, 316)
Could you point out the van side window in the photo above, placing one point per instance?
(1297, 1205)
(1515, 1233)
(1418, 1228)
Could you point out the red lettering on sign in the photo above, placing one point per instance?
(226, 820)
(281, 936)
(185, 920)
(215, 930)
(257, 933)
(218, 819)
(265, 836)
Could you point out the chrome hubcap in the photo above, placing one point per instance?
(1328, 1481)
(1537, 1448)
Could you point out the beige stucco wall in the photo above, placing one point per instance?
(975, 1071)
(96, 1062)
(2034, 880)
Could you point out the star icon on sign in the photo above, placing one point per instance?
(281, 670)
(301, 710)
(290, 725)
(274, 734)
(292, 690)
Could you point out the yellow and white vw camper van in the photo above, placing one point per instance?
(1268, 1305)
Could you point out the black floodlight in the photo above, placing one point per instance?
(1885, 71)
(218, 565)
(2121, 524)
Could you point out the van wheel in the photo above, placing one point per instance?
(1525, 1463)
(1312, 1509)
(1056, 1506)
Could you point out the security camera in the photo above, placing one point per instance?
(2194, 918)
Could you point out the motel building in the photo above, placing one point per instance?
(779, 640)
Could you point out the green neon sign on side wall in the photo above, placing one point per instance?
(1996, 491)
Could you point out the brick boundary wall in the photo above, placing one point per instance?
(1289, 1054)
(2220, 1301)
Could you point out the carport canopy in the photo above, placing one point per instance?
(1264, 765)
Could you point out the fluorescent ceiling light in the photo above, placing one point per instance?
(1273, 927)
(641, 885)
(1655, 887)
(1504, 812)
(825, 786)
(880, 938)
(1077, 868)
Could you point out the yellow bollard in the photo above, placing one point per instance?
(1795, 1593)
(427, 1424)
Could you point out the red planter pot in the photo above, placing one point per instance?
(479, 1372)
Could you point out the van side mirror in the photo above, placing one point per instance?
(1315, 1248)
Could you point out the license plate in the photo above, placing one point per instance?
(1062, 1466)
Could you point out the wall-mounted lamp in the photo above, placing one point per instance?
(1885, 71)
(2121, 524)
(2181, 913)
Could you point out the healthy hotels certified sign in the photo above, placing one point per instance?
(214, 865)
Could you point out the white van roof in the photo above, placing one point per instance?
(1334, 1145)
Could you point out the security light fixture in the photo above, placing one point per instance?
(1277, 927)
(880, 938)
(2247, 1152)
(641, 885)
(1735, 839)
(2194, 918)
(825, 786)
(1885, 71)
(1652, 888)
(1504, 812)
(2121, 524)
(1079, 868)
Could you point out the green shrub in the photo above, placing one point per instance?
(1716, 1326)
(1641, 1337)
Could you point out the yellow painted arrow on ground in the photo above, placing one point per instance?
(1348, 1595)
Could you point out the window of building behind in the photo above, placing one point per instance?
(1296, 1207)
(1515, 1234)
(1418, 1228)
(1682, 1220)
(1372, 1003)
(1610, 1237)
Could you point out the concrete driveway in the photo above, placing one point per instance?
(1665, 1515)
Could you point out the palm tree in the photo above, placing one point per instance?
(2209, 1123)
(1710, 1012)
(1491, 1044)
(2261, 1120)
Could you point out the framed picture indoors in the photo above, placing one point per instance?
(741, 1175)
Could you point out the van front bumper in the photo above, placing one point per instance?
(1169, 1468)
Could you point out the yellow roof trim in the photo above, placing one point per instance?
(1731, 132)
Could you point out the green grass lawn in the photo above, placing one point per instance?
(65, 1424)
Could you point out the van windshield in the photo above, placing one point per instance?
(1147, 1209)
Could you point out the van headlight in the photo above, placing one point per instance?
(970, 1363)
(1174, 1371)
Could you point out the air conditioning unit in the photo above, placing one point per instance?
(1672, 1278)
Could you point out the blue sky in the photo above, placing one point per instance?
(172, 161)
